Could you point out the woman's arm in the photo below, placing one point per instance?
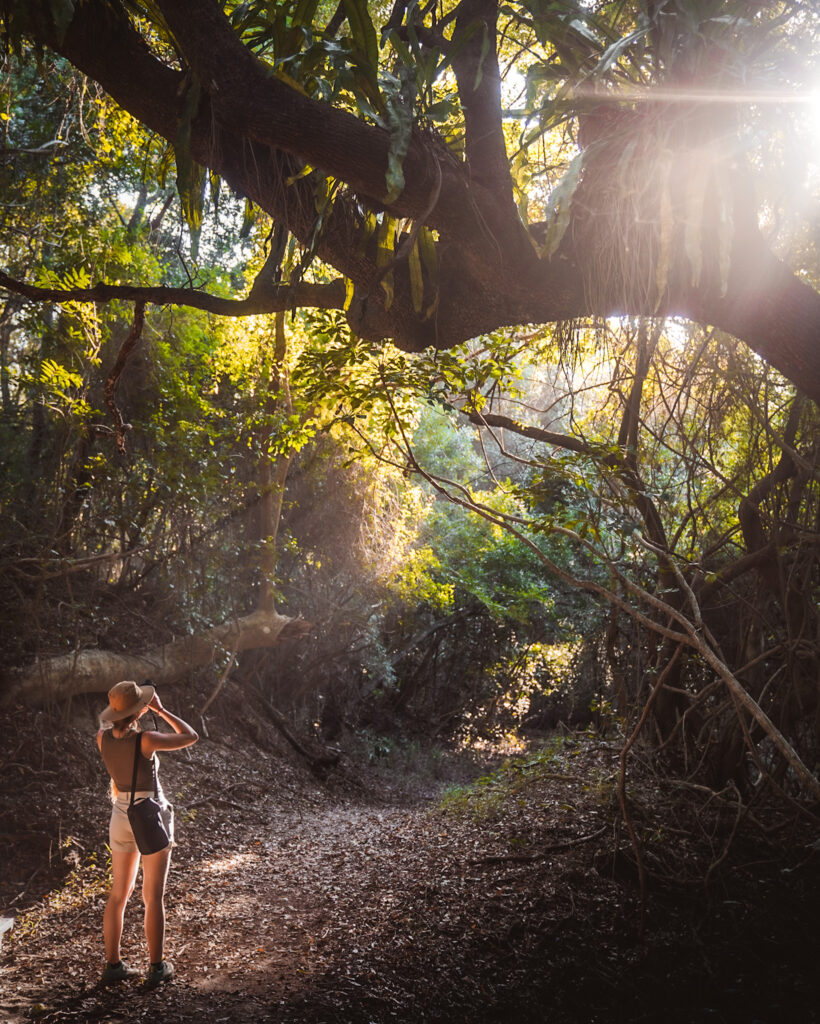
(182, 736)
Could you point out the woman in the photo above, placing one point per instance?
(127, 703)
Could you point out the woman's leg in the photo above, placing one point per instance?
(154, 874)
(124, 874)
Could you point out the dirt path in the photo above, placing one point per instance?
(279, 898)
(292, 903)
(306, 893)
(287, 905)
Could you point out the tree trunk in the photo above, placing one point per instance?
(93, 671)
(273, 473)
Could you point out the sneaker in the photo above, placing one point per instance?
(117, 972)
(156, 975)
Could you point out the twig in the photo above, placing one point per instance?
(283, 297)
(636, 846)
(546, 852)
(227, 789)
(220, 683)
(555, 776)
(325, 757)
(730, 840)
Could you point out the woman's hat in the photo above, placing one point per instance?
(125, 699)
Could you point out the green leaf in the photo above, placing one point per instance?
(384, 255)
(349, 291)
(164, 165)
(400, 122)
(369, 225)
(442, 110)
(559, 204)
(400, 47)
(366, 41)
(302, 17)
(385, 241)
(215, 183)
(616, 50)
(429, 259)
(302, 174)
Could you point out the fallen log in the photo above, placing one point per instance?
(95, 671)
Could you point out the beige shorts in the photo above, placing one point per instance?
(120, 837)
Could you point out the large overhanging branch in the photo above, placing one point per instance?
(245, 94)
(253, 129)
(102, 43)
(272, 299)
(245, 141)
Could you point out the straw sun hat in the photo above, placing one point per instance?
(126, 698)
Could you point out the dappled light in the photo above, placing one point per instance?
(226, 865)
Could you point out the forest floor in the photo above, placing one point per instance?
(364, 897)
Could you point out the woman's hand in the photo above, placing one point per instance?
(155, 704)
(182, 736)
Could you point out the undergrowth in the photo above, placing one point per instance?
(88, 879)
(488, 796)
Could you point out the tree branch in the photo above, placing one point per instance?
(94, 671)
(548, 851)
(245, 95)
(272, 299)
(257, 133)
(475, 64)
(572, 444)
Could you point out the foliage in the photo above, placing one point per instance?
(486, 799)
(535, 521)
(551, 161)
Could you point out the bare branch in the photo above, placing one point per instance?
(273, 299)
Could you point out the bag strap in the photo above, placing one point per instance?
(134, 775)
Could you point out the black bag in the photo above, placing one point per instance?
(145, 815)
